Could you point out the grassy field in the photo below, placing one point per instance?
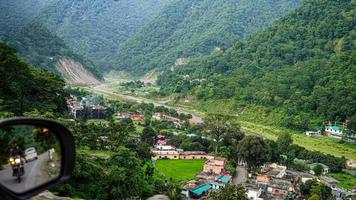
(322, 144)
(179, 170)
(347, 181)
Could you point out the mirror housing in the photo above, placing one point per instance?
(67, 145)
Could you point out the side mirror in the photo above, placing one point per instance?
(35, 154)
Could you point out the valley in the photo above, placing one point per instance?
(248, 125)
(191, 99)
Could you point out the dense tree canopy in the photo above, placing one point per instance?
(24, 88)
(188, 28)
(95, 29)
(302, 67)
(253, 150)
(39, 47)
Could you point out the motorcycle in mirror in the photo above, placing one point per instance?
(30, 155)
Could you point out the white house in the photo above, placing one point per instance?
(254, 193)
(325, 169)
(333, 129)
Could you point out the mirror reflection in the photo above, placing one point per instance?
(29, 156)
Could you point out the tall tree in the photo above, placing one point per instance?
(284, 140)
(148, 135)
(253, 150)
(219, 126)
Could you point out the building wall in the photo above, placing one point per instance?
(191, 157)
(166, 156)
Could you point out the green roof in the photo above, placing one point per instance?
(201, 189)
(224, 179)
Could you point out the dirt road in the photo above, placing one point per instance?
(101, 89)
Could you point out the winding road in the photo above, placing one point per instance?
(101, 89)
(35, 174)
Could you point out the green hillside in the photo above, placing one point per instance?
(301, 70)
(41, 48)
(24, 88)
(95, 29)
(187, 28)
(17, 13)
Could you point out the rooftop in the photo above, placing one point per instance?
(224, 179)
(201, 189)
(315, 164)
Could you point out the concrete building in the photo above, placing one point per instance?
(215, 165)
(325, 169)
(254, 192)
(192, 155)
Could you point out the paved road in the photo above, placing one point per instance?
(101, 89)
(241, 175)
(34, 175)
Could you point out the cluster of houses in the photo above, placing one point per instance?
(129, 115)
(335, 131)
(277, 182)
(213, 177)
(273, 182)
(81, 109)
(156, 116)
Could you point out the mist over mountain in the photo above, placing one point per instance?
(96, 29)
(17, 13)
(189, 28)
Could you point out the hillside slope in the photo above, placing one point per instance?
(24, 88)
(41, 48)
(95, 29)
(17, 13)
(301, 70)
(189, 27)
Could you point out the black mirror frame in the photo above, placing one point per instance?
(68, 155)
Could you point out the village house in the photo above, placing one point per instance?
(325, 169)
(274, 170)
(312, 133)
(329, 181)
(189, 186)
(215, 165)
(339, 132)
(262, 179)
(333, 129)
(129, 115)
(97, 111)
(161, 140)
(157, 116)
(192, 155)
(77, 109)
(253, 192)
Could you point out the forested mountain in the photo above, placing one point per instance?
(38, 46)
(95, 29)
(17, 13)
(24, 88)
(302, 67)
(187, 28)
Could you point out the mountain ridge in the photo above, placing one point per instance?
(191, 28)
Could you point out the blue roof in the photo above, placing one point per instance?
(224, 179)
(334, 127)
(201, 189)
